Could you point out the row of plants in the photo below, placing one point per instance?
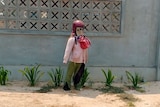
(33, 75)
(135, 79)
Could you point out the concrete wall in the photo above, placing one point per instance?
(135, 50)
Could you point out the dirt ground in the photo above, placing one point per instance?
(18, 94)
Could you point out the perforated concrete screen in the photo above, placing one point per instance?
(50, 16)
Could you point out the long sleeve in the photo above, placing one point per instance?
(68, 49)
(85, 56)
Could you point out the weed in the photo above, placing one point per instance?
(109, 77)
(90, 83)
(32, 74)
(3, 75)
(121, 79)
(130, 104)
(56, 76)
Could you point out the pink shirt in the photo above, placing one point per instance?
(74, 52)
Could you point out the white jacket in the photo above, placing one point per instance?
(74, 52)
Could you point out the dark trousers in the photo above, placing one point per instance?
(79, 74)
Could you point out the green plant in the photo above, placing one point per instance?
(84, 77)
(3, 75)
(135, 79)
(56, 76)
(32, 74)
(109, 77)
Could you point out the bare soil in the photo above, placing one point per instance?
(19, 94)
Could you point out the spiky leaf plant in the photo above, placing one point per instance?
(109, 77)
(56, 76)
(32, 74)
(134, 79)
(3, 75)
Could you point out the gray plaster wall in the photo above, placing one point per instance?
(134, 50)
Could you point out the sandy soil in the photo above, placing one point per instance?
(18, 94)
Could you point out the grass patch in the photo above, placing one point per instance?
(45, 89)
(139, 89)
(112, 89)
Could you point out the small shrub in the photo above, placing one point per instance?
(3, 75)
(84, 77)
(56, 76)
(32, 74)
(134, 79)
(109, 77)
